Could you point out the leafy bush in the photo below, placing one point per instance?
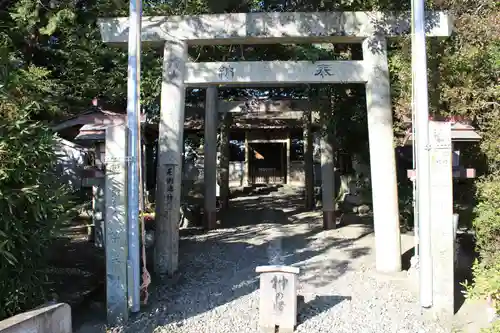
(32, 206)
(487, 227)
(495, 328)
(405, 202)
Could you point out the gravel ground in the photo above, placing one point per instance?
(217, 289)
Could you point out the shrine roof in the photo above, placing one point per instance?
(460, 132)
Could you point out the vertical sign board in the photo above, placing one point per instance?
(116, 225)
(170, 188)
(170, 215)
(441, 185)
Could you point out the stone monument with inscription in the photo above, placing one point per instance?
(278, 298)
(442, 224)
(116, 225)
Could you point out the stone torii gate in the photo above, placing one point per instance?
(270, 73)
(370, 29)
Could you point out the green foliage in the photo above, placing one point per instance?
(32, 206)
(487, 222)
(469, 71)
(405, 203)
(487, 225)
(32, 203)
(495, 328)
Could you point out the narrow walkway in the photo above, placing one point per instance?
(216, 289)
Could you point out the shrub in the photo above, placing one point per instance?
(495, 328)
(487, 226)
(32, 206)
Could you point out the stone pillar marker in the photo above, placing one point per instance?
(327, 177)
(308, 162)
(170, 147)
(382, 156)
(278, 298)
(116, 225)
(443, 230)
(225, 131)
(210, 161)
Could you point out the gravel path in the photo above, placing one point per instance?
(217, 288)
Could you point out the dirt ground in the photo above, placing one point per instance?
(77, 272)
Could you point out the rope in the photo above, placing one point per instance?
(146, 278)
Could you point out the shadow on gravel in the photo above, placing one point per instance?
(218, 267)
(318, 305)
(254, 210)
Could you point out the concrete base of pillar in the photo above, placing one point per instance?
(329, 221)
(210, 220)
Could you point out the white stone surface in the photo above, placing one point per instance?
(327, 174)
(170, 147)
(273, 72)
(252, 28)
(443, 230)
(54, 318)
(278, 297)
(382, 156)
(116, 224)
(71, 162)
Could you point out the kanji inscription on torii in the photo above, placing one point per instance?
(323, 70)
(226, 72)
(174, 67)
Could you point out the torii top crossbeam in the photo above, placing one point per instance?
(262, 28)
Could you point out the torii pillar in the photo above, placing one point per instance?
(210, 147)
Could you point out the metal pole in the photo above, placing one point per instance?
(133, 148)
(419, 68)
(414, 153)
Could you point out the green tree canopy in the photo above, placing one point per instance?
(52, 62)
